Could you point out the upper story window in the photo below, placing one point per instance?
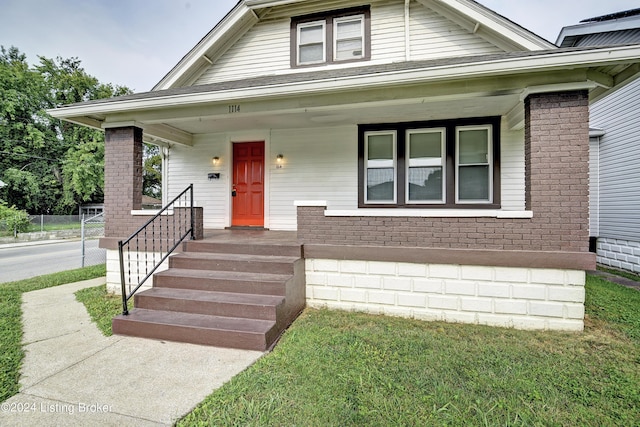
(332, 37)
(453, 163)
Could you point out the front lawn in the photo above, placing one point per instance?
(102, 306)
(335, 368)
(11, 353)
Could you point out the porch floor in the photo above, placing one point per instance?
(258, 237)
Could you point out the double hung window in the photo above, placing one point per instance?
(381, 167)
(425, 163)
(430, 164)
(311, 42)
(331, 37)
(473, 164)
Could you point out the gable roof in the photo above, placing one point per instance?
(469, 14)
(614, 29)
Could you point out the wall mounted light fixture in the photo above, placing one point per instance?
(215, 160)
(279, 161)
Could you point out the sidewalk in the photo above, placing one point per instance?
(72, 375)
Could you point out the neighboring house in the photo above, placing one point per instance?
(432, 155)
(615, 147)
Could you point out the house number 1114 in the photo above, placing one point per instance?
(234, 109)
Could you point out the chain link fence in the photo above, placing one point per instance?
(43, 223)
(92, 228)
(88, 229)
(5, 229)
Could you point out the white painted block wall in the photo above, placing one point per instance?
(619, 253)
(146, 264)
(537, 299)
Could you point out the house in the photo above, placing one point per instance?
(429, 156)
(615, 147)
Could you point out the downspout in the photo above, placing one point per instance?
(407, 31)
(165, 173)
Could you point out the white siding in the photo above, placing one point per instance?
(320, 164)
(433, 36)
(619, 159)
(265, 48)
(387, 32)
(594, 186)
(188, 165)
(512, 169)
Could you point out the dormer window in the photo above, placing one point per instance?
(332, 37)
(349, 38)
(311, 43)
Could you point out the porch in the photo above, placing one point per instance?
(240, 236)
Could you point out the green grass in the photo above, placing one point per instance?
(334, 368)
(616, 306)
(54, 227)
(101, 306)
(623, 273)
(11, 353)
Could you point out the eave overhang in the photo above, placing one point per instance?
(557, 60)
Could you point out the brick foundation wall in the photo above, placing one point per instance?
(557, 191)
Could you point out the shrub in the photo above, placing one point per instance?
(14, 218)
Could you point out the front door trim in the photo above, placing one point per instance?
(248, 183)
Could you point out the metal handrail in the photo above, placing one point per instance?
(169, 250)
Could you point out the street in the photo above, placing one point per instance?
(26, 261)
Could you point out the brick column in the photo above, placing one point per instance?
(122, 179)
(557, 166)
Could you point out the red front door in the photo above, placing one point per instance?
(248, 184)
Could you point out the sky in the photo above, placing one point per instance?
(135, 43)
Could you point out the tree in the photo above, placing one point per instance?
(27, 164)
(49, 166)
(152, 171)
(83, 171)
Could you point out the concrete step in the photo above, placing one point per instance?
(222, 281)
(233, 262)
(219, 331)
(246, 248)
(249, 306)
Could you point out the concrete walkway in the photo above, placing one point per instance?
(72, 375)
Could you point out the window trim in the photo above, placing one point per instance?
(329, 19)
(303, 25)
(489, 162)
(348, 18)
(449, 177)
(443, 163)
(394, 135)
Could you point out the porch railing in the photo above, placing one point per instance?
(159, 236)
